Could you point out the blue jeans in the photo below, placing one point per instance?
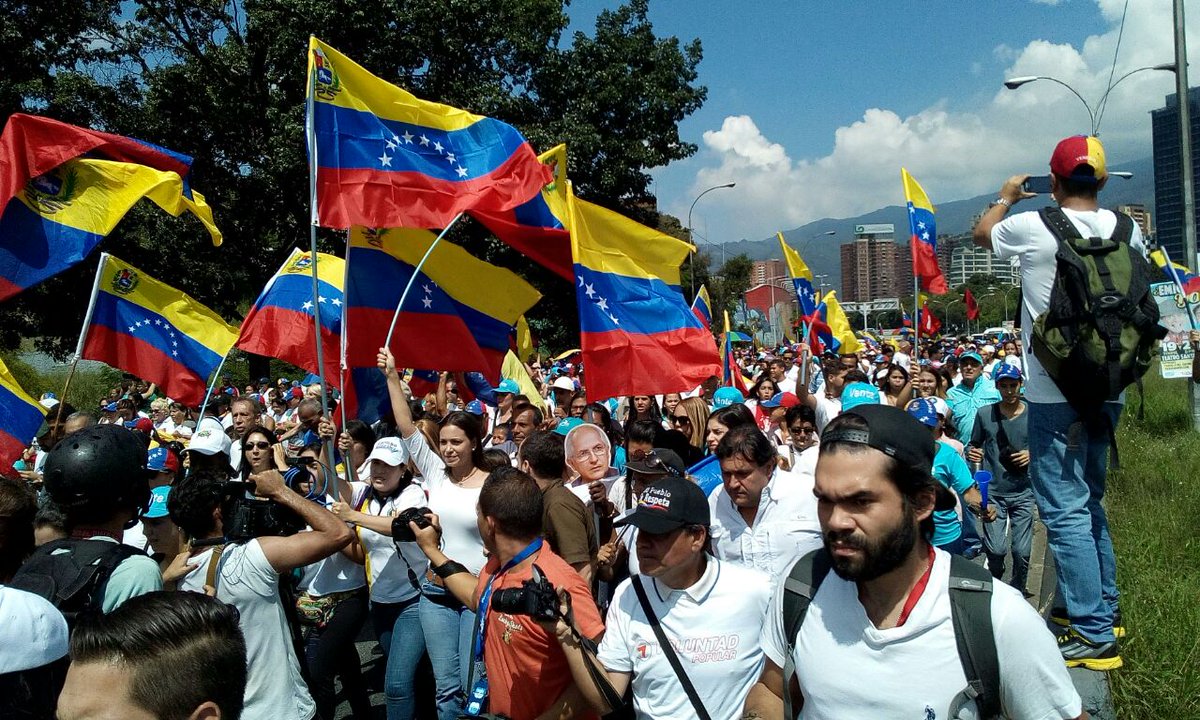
(398, 628)
(1068, 470)
(448, 630)
(1013, 524)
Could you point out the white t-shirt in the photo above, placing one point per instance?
(1026, 237)
(387, 569)
(274, 688)
(785, 523)
(848, 668)
(903, 360)
(827, 409)
(336, 573)
(714, 626)
(454, 505)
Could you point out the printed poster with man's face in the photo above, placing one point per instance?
(1175, 352)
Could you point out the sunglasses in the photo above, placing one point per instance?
(260, 445)
(681, 420)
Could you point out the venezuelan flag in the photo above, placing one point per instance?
(536, 227)
(280, 323)
(20, 418)
(845, 340)
(731, 374)
(702, 307)
(385, 158)
(802, 278)
(148, 328)
(638, 334)
(59, 217)
(31, 146)
(1177, 273)
(458, 316)
(923, 241)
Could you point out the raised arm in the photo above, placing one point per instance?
(328, 534)
(1012, 193)
(400, 410)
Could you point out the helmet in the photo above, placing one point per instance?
(100, 467)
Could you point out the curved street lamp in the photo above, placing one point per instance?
(692, 255)
(1014, 83)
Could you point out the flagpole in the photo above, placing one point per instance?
(1179, 286)
(87, 322)
(311, 132)
(416, 271)
(342, 359)
(211, 386)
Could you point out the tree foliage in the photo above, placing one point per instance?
(224, 82)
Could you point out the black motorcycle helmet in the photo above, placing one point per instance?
(96, 471)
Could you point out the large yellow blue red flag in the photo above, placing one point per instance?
(385, 158)
(459, 315)
(923, 240)
(143, 326)
(702, 307)
(56, 219)
(280, 323)
(638, 334)
(802, 278)
(537, 227)
(20, 418)
(1179, 274)
(839, 325)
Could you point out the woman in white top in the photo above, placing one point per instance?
(333, 603)
(453, 477)
(394, 569)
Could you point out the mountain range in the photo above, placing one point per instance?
(822, 254)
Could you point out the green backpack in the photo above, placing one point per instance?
(1099, 332)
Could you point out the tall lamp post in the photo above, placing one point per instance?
(692, 256)
(1014, 83)
(1185, 172)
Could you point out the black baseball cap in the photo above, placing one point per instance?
(897, 434)
(669, 504)
(658, 461)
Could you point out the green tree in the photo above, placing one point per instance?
(225, 83)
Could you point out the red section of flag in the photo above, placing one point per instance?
(929, 323)
(279, 332)
(925, 267)
(549, 247)
(972, 306)
(455, 347)
(623, 363)
(143, 360)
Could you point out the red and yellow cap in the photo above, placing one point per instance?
(1080, 158)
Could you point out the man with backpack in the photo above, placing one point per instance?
(899, 629)
(1090, 323)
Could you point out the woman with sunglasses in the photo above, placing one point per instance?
(258, 452)
(689, 418)
(452, 478)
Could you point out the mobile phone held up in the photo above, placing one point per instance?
(1039, 184)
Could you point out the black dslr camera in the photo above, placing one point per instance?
(536, 597)
(246, 517)
(401, 532)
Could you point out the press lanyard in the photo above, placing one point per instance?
(486, 596)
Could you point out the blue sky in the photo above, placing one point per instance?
(814, 107)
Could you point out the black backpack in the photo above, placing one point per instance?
(970, 611)
(1098, 334)
(72, 580)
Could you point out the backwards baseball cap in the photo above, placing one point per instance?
(897, 434)
(726, 396)
(1007, 371)
(507, 386)
(1079, 158)
(782, 399)
(924, 411)
(161, 459)
(158, 503)
(390, 450)
(859, 393)
(669, 504)
(657, 462)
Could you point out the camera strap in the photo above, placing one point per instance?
(668, 650)
(485, 598)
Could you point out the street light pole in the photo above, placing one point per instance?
(692, 256)
(1185, 170)
(1014, 83)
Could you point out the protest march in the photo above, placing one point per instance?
(377, 490)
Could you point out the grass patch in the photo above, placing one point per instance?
(87, 387)
(1153, 506)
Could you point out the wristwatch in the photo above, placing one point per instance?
(1003, 201)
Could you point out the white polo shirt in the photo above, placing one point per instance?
(785, 523)
(714, 626)
(848, 668)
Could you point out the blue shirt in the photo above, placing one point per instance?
(950, 470)
(965, 402)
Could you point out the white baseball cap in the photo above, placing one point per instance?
(33, 632)
(940, 405)
(390, 450)
(562, 382)
(210, 438)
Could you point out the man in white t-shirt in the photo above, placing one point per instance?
(878, 639)
(763, 517)
(1069, 451)
(246, 575)
(710, 611)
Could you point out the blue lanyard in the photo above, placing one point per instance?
(486, 597)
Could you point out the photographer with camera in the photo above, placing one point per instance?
(527, 675)
(237, 560)
(686, 631)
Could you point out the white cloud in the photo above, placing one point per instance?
(953, 153)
